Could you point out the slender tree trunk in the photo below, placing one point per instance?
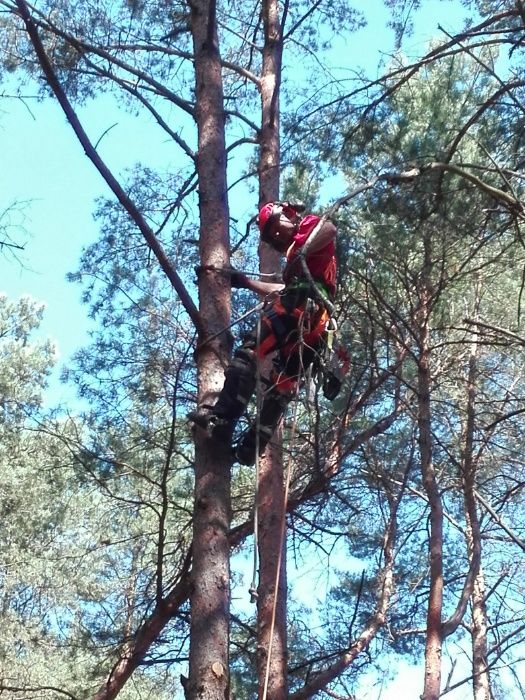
(270, 85)
(210, 594)
(480, 674)
(272, 657)
(480, 668)
(433, 643)
(434, 635)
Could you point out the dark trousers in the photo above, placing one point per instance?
(294, 326)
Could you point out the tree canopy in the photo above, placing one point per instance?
(127, 531)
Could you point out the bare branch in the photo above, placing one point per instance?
(108, 176)
(36, 689)
(374, 622)
(517, 540)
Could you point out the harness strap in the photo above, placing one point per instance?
(304, 285)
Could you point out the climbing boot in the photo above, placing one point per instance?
(202, 416)
(245, 450)
(244, 453)
(274, 405)
(217, 427)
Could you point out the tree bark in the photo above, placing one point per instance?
(468, 473)
(270, 85)
(434, 634)
(272, 656)
(272, 644)
(480, 672)
(210, 591)
(433, 643)
(480, 665)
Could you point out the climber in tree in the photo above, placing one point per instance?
(293, 323)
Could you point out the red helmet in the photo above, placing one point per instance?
(265, 213)
(271, 211)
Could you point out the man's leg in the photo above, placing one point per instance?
(272, 409)
(239, 384)
(291, 366)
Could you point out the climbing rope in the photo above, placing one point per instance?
(258, 403)
(281, 546)
(258, 307)
(306, 317)
(288, 474)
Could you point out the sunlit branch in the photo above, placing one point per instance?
(110, 179)
(125, 85)
(84, 47)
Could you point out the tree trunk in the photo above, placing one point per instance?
(272, 658)
(210, 594)
(270, 85)
(433, 643)
(434, 634)
(480, 674)
(480, 668)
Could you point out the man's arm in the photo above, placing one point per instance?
(326, 233)
(257, 286)
(262, 288)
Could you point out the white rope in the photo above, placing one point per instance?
(285, 505)
(258, 401)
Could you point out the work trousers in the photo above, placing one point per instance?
(294, 326)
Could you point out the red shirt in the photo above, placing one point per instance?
(321, 263)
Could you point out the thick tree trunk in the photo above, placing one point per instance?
(272, 654)
(210, 594)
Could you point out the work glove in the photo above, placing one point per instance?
(238, 280)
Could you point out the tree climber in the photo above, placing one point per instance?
(293, 324)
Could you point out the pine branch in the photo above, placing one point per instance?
(108, 176)
(7, 244)
(84, 47)
(35, 689)
(374, 622)
(490, 510)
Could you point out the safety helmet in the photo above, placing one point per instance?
(266, 213)
(271, 211)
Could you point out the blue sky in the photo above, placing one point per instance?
(45, 167)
